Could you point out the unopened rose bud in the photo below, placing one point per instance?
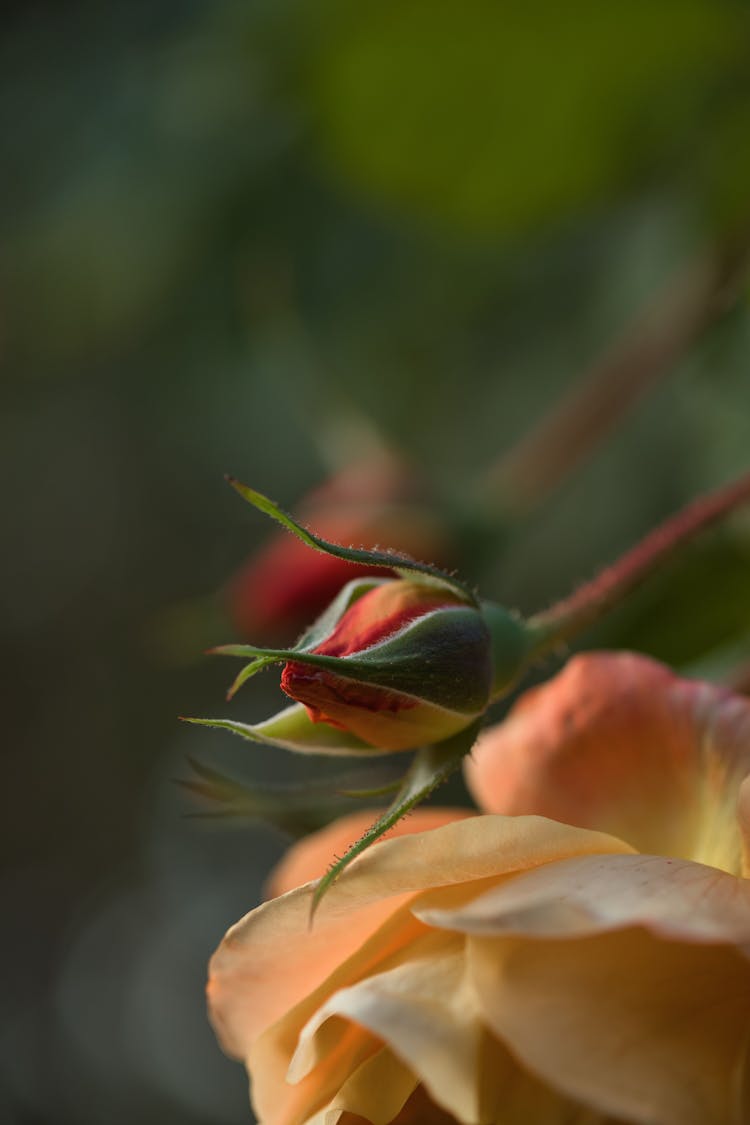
(392, 664)
(409, 664)
(404, 663)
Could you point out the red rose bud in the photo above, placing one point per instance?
(408, 663)
(392, 664)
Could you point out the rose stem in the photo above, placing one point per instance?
(739, 680)
(646, 352)
(596, 598)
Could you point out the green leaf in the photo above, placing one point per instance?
(392, 560)
(501, 117)
(292, 729)
(431, 766)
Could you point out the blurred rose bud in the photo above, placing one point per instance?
(284, 585)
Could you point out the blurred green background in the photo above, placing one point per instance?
(234, 234)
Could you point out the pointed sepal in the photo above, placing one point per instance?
(294, 809)
(391, 560)
(293, 729)
(431, 766)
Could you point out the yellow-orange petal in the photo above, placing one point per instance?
(418, 1109)
(619, 743)
(743, 817)
(293, 1081)
(272, 959)
(426, 1010)
(312, 856)
(416, 998)
(374, 1093)
(652, 1032)
(584, 895)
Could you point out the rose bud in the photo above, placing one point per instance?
(393, 664)
(404, 663)
(408, 664)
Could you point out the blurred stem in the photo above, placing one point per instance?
(739, 680)
(596, 598)
(648, 350)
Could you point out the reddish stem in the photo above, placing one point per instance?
(647, 351)
(739, 680)
(593, 600)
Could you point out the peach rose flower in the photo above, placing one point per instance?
(577, 954)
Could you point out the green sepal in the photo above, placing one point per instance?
(247, 672)
(376, 791)
(294, 809)
(415, 662)
(291, 809)
(293, 729)
(347, 596)
(317, 632)
(432, 765)
(393, 560)
(512, 643)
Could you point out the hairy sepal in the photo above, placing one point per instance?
(391, 560)
(432, 765)
(292, 729)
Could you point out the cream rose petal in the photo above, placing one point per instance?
(650, 1031)
(304, 861)
(590, 894)
(378, 1088)
(427, 1011)
(292, 1081)
(323, 1025)
(278, 1102)
(743, 819)
(272, 959)
(311, 857)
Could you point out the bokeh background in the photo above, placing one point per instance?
(259, 237)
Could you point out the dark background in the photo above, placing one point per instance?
(235, 234)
